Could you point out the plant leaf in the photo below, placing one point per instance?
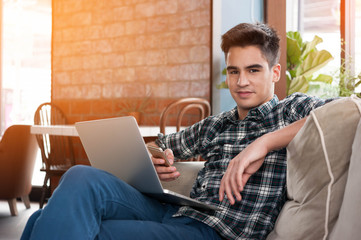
(298, 84)
(293, 52)
(296, 36)
(222, 85)
(323, 78)
(313, 62)
(311, 46)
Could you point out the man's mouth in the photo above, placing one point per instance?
(244, 94)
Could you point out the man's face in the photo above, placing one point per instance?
(249, 78)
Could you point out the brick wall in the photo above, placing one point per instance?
(109, 55)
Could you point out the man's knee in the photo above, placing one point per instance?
(80, 175)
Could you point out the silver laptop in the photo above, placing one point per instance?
(116, 146)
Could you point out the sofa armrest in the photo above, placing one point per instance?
(184, 183)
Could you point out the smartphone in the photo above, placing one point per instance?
(158, 152)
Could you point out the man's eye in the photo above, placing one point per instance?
(234, 72)
(253, 70)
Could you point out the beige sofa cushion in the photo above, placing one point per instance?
(318, 160)
(348, 225)
(184, 183)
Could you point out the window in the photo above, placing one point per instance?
(26, 62)
(324, 18)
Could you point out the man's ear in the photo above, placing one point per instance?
(276, 73)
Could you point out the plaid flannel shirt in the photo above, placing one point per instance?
(220, 138)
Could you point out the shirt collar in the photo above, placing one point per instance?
(260, 111)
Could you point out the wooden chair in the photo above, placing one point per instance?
(56, 151)
(18, 150)
(179, 108)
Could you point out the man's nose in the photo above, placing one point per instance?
(242, 79)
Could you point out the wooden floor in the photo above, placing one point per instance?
(12, 227)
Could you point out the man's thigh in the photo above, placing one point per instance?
(133, 229)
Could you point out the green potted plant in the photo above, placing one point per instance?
(347, 80)
(134, 107)
(303, 60)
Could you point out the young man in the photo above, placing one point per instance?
(244, 173)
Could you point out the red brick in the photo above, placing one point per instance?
(189, 71)
(71, 6)
(179, 89)
(102, 106)
(64, 106)
(159, 90)
(178, 55)
(135, 58)
(127, 49)
(72, 34)
(168, 39)
(61, 49)
(92, 61)
(147, 73)
(158, 24)
(201, 18)
(166, 7)
(80, 48)
(114, 30)
(144, 10)
(177, 22)
(71, 63)
(123, 13)
(112, 90)
(101, 46)
(200, 88)
(100, 17)
(135, 27)
(123, 44)
(62, 78)
(124, 75)
(195, 36)
(156, 57)
(113, 60)
(200, 54)
(81, 77)
(62, 21)
(93, 32)
(188, 5)
(102, 76)
(80, 107)
(136, 89)
(81, 19)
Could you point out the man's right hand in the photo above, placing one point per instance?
(166, 173)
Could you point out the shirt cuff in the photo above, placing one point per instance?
(160, 142)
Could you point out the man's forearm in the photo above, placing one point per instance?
(282, 137)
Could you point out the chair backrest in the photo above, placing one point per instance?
(182, 106)
(55, 150)
(18, 150)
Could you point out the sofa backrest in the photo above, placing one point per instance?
(317, 167)
(184, 183)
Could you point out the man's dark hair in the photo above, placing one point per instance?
(259, 35)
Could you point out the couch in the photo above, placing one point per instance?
(323, 180)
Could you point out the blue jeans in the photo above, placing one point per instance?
(93, 204)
